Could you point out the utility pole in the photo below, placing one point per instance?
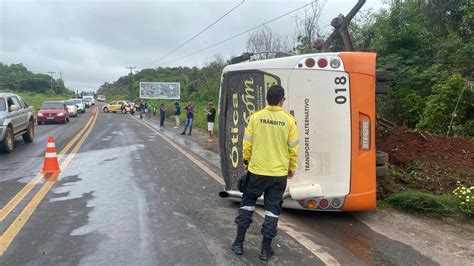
(61, 75)
(130, 88)
(51, 91)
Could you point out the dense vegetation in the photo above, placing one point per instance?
(16, 77)
(34, 88)
(428, 47)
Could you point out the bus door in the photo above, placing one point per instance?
(320, 101)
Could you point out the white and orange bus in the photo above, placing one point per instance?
(332, 97)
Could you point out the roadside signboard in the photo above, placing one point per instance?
(160, 90)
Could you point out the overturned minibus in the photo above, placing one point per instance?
(332, 97)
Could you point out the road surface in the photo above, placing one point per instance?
(132, 194)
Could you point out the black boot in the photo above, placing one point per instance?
(267, 250)
(238, 247)
(238, 244)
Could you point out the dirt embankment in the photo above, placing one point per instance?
(423, 161)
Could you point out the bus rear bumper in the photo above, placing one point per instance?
(360, 202)
(288, 201)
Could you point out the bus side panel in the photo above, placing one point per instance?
(362, 195)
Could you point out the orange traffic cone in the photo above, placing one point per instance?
(51, 164)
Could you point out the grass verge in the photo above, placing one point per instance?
(426, 203)
(36, 99)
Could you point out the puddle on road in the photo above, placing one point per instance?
(119, 208)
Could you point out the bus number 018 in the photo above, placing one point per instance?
(340, 99)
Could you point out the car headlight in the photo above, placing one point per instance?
(60, 114)
(40, 114)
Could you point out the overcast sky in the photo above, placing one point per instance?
(93, 41)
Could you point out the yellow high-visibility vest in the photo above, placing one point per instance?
(271, 142)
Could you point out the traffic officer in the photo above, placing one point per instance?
(270, 156)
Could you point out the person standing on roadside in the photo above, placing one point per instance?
(132, 107)
(177, 113)
(148, 109)
(122, 108)
(189, 118)
(162, 114)
(270, 154)
(141, 108)
(211, 117)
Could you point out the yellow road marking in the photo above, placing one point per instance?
(8, 208)
(7, 237)
(285, 225)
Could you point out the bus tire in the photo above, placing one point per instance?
(381, 158)
(382, 171)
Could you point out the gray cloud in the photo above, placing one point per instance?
(93, 41)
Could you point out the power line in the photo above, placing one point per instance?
(195, 36)
(51, 73)
(238, 35)
(130, 87)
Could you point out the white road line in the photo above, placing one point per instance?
(283, 224)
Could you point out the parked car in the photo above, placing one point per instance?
(116, 106)
(81, 107)
(101, 98)
(16, 118)
(53, 112)
(71, 107)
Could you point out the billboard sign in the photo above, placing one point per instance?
(160, 90)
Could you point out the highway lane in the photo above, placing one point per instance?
(129, 197)
(27, 159)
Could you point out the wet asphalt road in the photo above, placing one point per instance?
(129, 198)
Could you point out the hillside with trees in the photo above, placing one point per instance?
(18, 78)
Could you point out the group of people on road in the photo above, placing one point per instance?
(145, 107)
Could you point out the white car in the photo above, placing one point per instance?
(101, 98)
(81, 107)
(89, 100)
(71, 108)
